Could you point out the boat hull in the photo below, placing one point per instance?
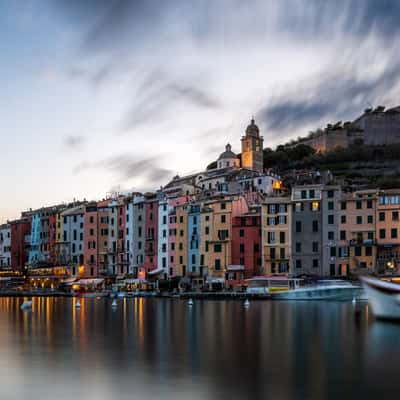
(340, 293)
(385, 304)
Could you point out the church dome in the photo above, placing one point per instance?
(228, 153)
(252, 129)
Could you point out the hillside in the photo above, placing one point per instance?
(360, 166)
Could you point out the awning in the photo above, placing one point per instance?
(215, 280)
(156, 271)
(235, 267)
(134, 281)
(69, 280)
(90, 282)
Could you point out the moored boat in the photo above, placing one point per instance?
(285, 288)
(384, 297)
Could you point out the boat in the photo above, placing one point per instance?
(285, 288)
(26, 305)
(383, 296)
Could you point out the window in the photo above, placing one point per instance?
(382, 233)
(342, 235)
(304, 194)
(331, 219)
(223, 206)
(315, 226)
(271, 237)
(282, 237)
(381, 216)
(315, 206)
(315, 263)
(358, 204)
(207, 230)
(395, 215)
(273, 268)
(357, 251)
(342, 219)
(298, 226)
(331, 235)
(217, 264)
(256, 247)
(193, 258)
(368, 251)
(298, 247)
(315, 247)
(223, 218)
(393, 233)
(331, 205)
(312, 194)
(370, 219)
(342, 205)
(369, 203)
(333, 252)
(332, 269)
(217, 248)
(241, 247)
(359, 219)
(272, 253)
(370, 235)
(241, 232)
(282, 253)
(330, 193)
(298, 264)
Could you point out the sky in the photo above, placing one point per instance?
(106, 95)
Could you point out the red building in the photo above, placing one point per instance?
(90, 236)
(20, 231)
(246, 249)
(151, 247)
(122, 256)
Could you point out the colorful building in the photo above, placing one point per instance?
(276, 217)
(246, 249)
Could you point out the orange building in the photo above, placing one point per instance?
(357, 232)
(388, 230)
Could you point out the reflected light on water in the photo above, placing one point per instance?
(161, 348)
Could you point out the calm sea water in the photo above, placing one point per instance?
(156, 348)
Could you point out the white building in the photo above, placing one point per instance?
(163, 212)
(73, 227)
(5, 246)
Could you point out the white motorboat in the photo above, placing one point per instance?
(383, 296)
(322, 290)
(284, 288)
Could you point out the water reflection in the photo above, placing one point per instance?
(153, 348)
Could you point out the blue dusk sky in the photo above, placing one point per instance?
(106, 94)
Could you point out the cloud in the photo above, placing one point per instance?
(340, 92)
(158, 94)
(127, 168)
(74, 142)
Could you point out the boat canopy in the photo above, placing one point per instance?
(156, 271)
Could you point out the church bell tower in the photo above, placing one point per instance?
(252, 148)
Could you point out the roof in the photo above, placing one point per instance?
(252, 129)
(228, 153)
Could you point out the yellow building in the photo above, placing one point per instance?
(276, 235)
